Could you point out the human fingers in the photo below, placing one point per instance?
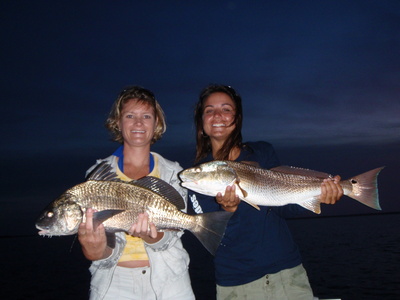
(223, 199)
(338, 188)
(132, 230)
(93, 243)
(153, 230)
(337, 179)
(140, 227)
(144, 226)
(232, 199)
(86, 226)
(325, 192)
(82, 229)
(89, 220)
(136, 227)
(331, 191)
(229, 201)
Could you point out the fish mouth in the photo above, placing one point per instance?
(186, 179)
(50, 234)
(44, 233)
(191, 184)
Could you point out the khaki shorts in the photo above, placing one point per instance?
(289, 284)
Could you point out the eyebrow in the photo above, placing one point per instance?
(223, 104)
(150, 111)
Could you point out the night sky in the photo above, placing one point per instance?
(320, 80)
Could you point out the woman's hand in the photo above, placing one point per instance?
(93, 241)
(145, 230)
(331, 191)
(229, 201)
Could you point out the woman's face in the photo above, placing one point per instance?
(137, 123)
(218, 116)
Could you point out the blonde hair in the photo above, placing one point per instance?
(144, 96)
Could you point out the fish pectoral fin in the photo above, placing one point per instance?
(243, 191)
(312, 204)
(101, 216)
(252, 204)
(110, 239)
(244, 195)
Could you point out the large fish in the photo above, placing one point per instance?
(119, 203)
(275, 187)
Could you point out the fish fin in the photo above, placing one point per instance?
(244, 195)
(243, 191)
(251, 163)
(210, 228)
(252, 204)
(101, 216)
(110, 239)
(312, 204)
(161, 188)
(103, 171)
(365, 188)
(301, 172)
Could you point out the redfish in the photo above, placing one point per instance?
(278, 186)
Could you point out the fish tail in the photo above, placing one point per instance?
(365, 188)
(210, 228)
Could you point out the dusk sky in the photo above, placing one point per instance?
(320, 80)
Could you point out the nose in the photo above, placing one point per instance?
(137, 120)
(217, 113)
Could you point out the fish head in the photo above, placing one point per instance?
(208, 178)
(61, 217)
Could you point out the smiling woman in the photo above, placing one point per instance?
(137, 123)
(141, 96)
(140, 264)
(257, 257)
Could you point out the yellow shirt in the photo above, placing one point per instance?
(134, 248)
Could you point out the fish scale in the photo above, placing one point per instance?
(135, 200)
(277, 187)
(282, 187)
(117, 205)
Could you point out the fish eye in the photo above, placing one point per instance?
(50, 214)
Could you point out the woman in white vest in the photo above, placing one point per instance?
(144, 264)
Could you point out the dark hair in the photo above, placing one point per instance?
(142, 95)
(203, 143)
